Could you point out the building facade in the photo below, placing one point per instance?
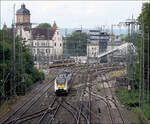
(102, 38)
(45, 44)
(92, 50)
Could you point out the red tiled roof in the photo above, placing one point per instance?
(43, 33)
(27, 28)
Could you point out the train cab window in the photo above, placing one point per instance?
(63, 75)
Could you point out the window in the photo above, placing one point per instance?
(33, 50)
(38, 50)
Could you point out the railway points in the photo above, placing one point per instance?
(83, 104)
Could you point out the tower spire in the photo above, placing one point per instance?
(54, 25)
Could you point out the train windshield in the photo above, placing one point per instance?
(61, 78)
(60, 82)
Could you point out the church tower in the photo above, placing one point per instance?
(23, 17)
(54, 25)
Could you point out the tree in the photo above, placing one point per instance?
(145, 29)
(27, 70)
(76, 44)
(44, 25)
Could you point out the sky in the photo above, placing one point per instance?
(74, 14)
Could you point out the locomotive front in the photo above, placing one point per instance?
(61, 84)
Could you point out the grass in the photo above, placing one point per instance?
(131, 100)
(99, 87)
(116, 73)
(48, 76)
(7, 105)
(4, 108)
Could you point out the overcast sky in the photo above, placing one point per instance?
(73, 14)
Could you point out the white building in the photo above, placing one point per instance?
(45, 43)
(92, 50)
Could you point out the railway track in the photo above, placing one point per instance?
(109, 99)
(113, 100)
(19, 113)
(26, 106)
(78, 105)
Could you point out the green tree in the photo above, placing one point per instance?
(144, 22)
(76, 44)
(44, 25)
(27, 70)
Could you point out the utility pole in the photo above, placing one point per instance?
(20, 56)
(148, 66)
(143, 70)
(14, 57)
(3, 35)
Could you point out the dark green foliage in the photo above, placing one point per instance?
(131, 100)
(75, 44)
(37, 76)
(145, 28)
(128, 99)
(28, 80)
(26, 73)
(132, 38)
(136, 39)
(44, 25)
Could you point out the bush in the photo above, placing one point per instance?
(36, 75)
(132, 100)
(129, 99)
(146, 110)
(28, 80)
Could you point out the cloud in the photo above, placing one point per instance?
(75, 13)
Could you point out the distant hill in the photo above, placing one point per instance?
(70, 30)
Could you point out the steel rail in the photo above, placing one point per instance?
(74, 116)
(47, 111)
(114, 102)
(9, 117)
(53, 116)
(77, 111)
(106, 102)
(24, 119)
